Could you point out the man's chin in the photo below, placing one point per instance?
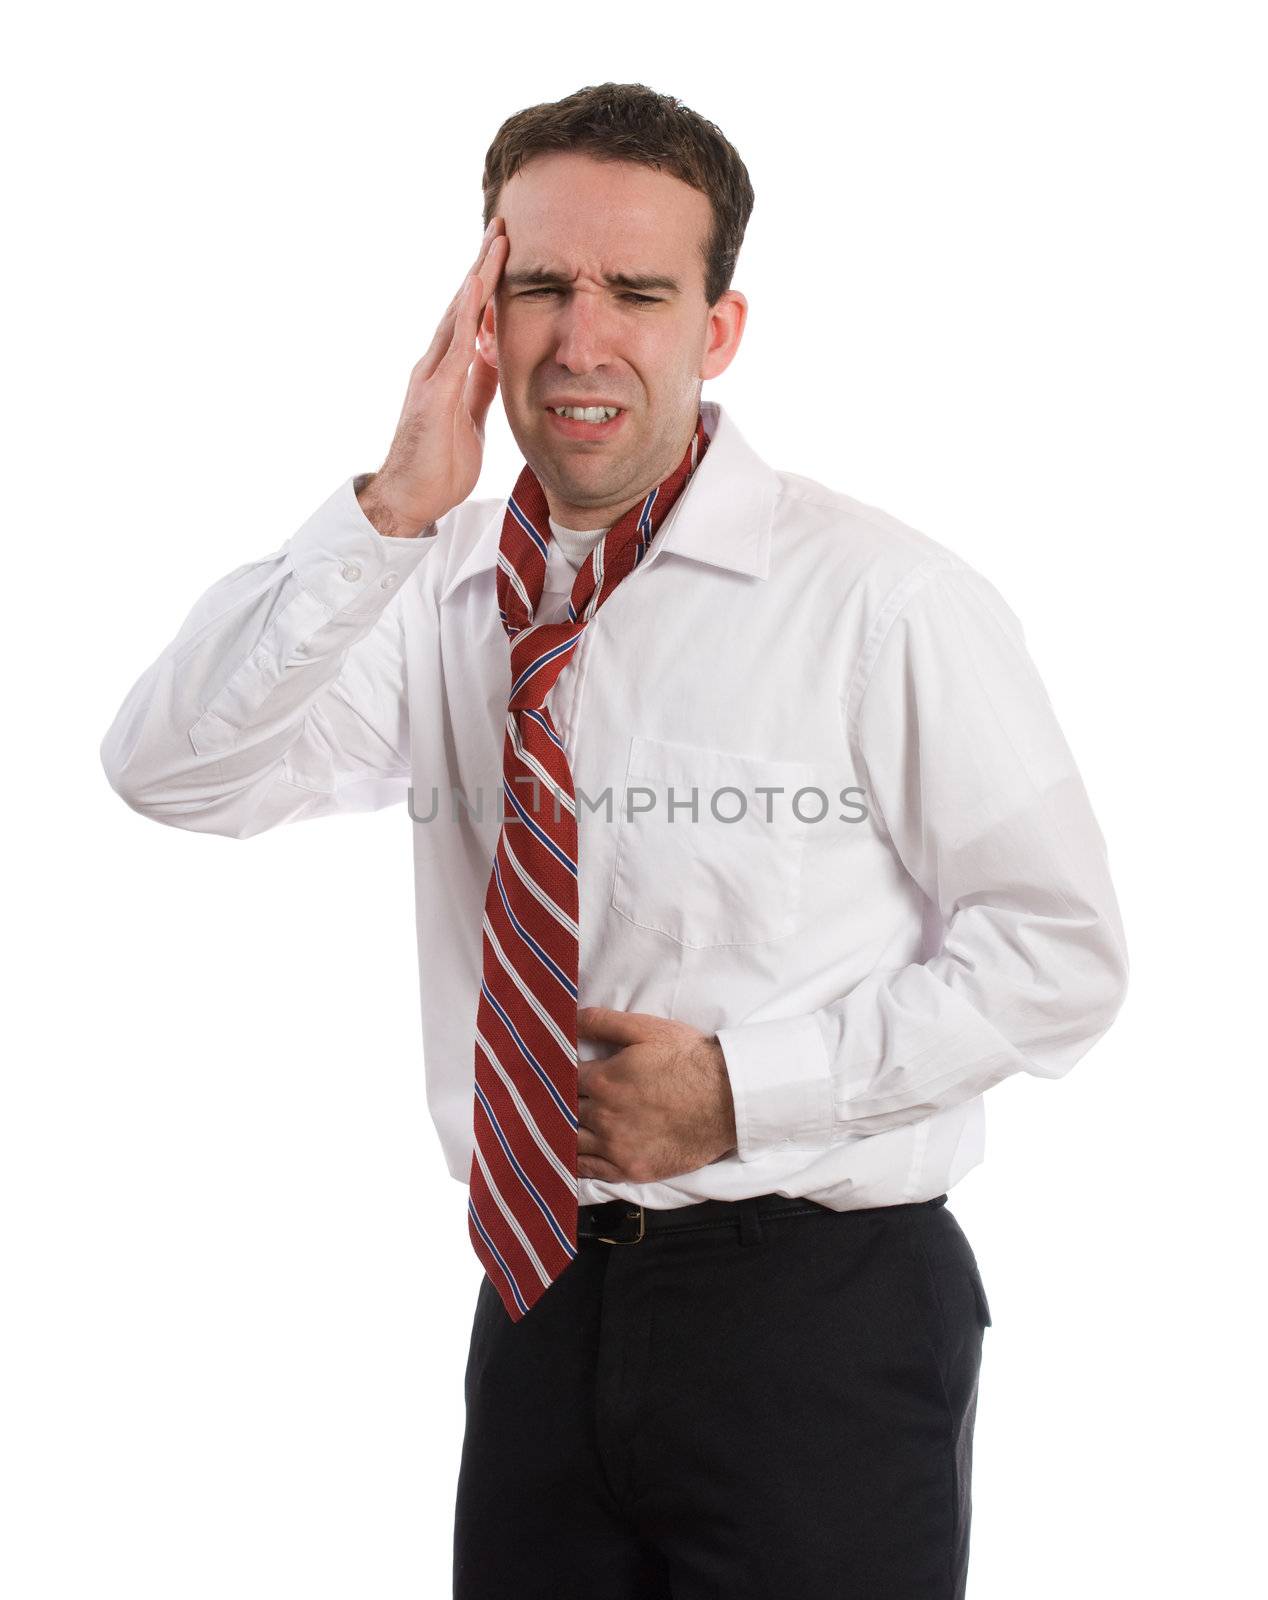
(591, 471)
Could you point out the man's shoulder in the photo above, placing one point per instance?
(850, 553)
(853, 540)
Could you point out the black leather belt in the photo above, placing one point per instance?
(623, 1222)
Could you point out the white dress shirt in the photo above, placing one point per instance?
(868, 979)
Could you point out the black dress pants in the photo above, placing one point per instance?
(756, 1400)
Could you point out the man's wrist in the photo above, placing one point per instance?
(388, 518)
(726, 1100)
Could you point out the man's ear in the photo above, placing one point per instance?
(486, 333)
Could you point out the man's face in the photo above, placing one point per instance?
(581, 338)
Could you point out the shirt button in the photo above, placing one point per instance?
(388, 582)
(352, 572)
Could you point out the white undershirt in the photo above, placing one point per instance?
(575, 545)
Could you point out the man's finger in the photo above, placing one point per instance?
(588, 1142)
(585, 1093)
(593, 1167)
(442, 340)
(492, 262)
(618, 1027)
(491, 232)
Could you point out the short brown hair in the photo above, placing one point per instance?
(630, 122)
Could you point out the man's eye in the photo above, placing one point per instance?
(644, 299)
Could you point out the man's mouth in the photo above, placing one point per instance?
(586, 422)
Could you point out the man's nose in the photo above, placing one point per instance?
(584, 333)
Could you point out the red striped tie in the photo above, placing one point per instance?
(522, 1205)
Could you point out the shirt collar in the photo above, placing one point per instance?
(723, 515)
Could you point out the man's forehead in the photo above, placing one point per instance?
(618, 222)
(623, 258)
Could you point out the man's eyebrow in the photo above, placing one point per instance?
(543, 276)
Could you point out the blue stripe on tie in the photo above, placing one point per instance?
(528, 1055)
(510, 1276)
(541, 661)
(528, 527)
(549, 731)
(528, 938)
(645, 526)
(561, 855)
(524, 1178)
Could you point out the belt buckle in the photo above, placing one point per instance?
(637, 1212)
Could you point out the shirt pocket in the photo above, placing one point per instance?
(728, 872)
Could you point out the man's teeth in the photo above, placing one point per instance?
(587, 413)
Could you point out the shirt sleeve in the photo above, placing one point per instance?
(283, 695)
(970, 778)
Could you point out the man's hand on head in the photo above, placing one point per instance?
(659, 1106)
(435, 457)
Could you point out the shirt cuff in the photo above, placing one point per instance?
(343, 560)
(781, 1082)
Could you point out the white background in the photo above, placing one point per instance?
(1005, 281)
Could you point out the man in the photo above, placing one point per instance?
(749, 855)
